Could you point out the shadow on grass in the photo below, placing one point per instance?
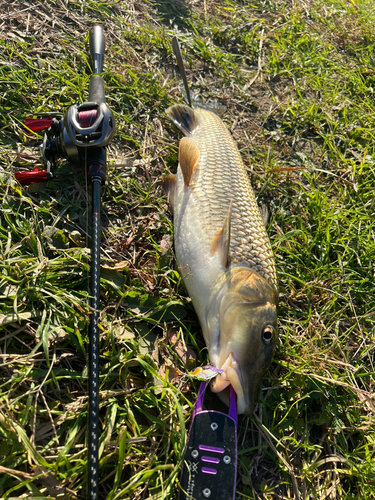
(173, 11)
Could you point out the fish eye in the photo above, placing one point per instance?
(267, 334)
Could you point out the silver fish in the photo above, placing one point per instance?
(223, 253)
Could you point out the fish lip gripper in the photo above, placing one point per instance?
(209, 470)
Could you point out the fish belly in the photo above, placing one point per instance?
(197, 267)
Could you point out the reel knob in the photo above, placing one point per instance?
(36, 124)
(34, 176)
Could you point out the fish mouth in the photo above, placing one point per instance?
(231, 376)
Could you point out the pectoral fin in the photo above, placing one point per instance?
(188, 158)
(169, 187)
(221, 241)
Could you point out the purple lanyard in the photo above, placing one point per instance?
(209, 469)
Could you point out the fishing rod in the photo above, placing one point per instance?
(209, 469)
(81, 137)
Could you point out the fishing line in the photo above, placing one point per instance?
(87, 209)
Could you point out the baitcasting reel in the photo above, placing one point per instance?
(83, 130)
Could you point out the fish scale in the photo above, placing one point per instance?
(221, 176)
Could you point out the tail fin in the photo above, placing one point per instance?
(183, 117)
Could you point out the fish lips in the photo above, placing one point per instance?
(231, 376)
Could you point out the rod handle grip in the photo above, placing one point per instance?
(97, 47)
(97, 90)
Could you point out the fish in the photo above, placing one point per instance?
(223, 254)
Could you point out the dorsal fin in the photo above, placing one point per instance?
(188, 157)
(183, 117)
(221, 241)
(169, 187)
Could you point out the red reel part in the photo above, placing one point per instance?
(36, 124)
(32, 177)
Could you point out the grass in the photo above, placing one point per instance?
(298, 82)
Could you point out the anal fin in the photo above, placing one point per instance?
(221, 241)
(188, 157)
